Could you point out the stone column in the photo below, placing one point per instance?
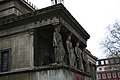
(31, 47)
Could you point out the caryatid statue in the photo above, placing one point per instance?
(70, 51)
(58, 46)
(78, 53)
(85, 61)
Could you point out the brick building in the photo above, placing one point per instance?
(108, 69)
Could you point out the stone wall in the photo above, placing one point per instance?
(21, 49)
(14, 7)
(21, 76)
(59, 74)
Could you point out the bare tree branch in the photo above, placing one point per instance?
(111, 43)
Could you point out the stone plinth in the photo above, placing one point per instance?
(52, 72)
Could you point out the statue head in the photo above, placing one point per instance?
(57, 28)
(77, 44)
(69, 37)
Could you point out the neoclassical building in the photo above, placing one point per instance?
(44, 44)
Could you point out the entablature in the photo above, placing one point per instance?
(46, 16)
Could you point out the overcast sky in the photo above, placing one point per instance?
(93, 15)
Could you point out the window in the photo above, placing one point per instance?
(113, 68)
(100, 68)
(105, 68)
(106, 61)
(97, 63)
(118, 67)
(111, 61)
(109, 75)
(119, 74)
(114, 75)
(102, 62)
(104, 76)
(4, 60)
(117, 60)
(110, 67)
(98, 76)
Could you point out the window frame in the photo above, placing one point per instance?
(119, 74)
(98, 76)
(109, 75)
(2, 59)
(104, 76)
(114, 75)
(117, 60)
(112, 61)
(106, 62)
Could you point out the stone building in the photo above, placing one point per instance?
(92, 65)
(45, 44)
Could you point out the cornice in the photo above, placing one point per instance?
(55, 10)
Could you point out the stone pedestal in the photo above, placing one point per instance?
(52, 72)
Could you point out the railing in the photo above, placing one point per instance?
(30, 4)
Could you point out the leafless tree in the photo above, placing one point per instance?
(111, 44)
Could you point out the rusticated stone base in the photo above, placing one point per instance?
(51, 72)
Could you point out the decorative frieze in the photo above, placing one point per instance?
(32, 25)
